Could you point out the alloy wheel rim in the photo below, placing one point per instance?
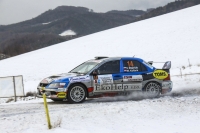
(153, 89)
(77, 93)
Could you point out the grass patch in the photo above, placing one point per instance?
(9, 100)
(30, 93)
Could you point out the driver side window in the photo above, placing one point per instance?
(109, 67)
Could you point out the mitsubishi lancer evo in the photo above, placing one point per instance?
(107, 76)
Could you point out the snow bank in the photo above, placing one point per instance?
(68, 33)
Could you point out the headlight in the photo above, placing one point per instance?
(57, 85)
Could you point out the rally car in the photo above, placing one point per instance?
(107, 76)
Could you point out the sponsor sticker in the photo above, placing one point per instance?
(53, 96)
(105, 79)
(104, 88)
(80, 79)
(61, 95)
(160, 74)
(132, 78)
(129, 87)
(117, 87)
(131, 69)
(99, 81)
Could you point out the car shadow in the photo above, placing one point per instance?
(130, 97)
(133, 97)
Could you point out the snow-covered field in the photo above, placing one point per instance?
(173, 37)
(166, 115)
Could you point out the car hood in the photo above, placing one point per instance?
(60, 77)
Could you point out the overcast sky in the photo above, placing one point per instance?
(13, 11)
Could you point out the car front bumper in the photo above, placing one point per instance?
(52, 93)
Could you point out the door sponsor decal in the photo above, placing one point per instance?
(160, 74)
(132, 78)
(103, 79)
(104, 83)
(118, 87)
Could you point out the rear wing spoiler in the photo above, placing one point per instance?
(167, 64)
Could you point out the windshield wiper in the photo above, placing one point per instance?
(78, 72)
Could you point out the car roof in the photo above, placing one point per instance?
(101, 59)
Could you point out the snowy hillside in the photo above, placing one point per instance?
(171, 37)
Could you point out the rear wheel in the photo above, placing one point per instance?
(76, 93)
(152, 89)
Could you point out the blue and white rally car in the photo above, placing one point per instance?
(107, 76)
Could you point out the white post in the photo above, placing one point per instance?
(14, 88)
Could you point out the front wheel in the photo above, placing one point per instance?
(76, 93)
(152, 89)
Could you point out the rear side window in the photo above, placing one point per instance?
(143, 68)
(133, 66)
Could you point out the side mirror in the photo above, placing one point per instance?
(95, 72)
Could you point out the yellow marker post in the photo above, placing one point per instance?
(47, 111)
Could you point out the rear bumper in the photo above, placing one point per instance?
(166, 87)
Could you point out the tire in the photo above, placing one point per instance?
(38, 94)
(76, 93)
(152, 89)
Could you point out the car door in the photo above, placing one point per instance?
(132, 74)
(103, 82)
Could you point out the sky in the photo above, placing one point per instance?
(13, 11)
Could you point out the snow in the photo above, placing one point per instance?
(68, 33)
(50, 22)
(46, 23)
(166, 114)
(171, 37)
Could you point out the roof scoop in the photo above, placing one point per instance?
(100, 57)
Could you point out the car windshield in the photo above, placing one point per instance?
(84, 68)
